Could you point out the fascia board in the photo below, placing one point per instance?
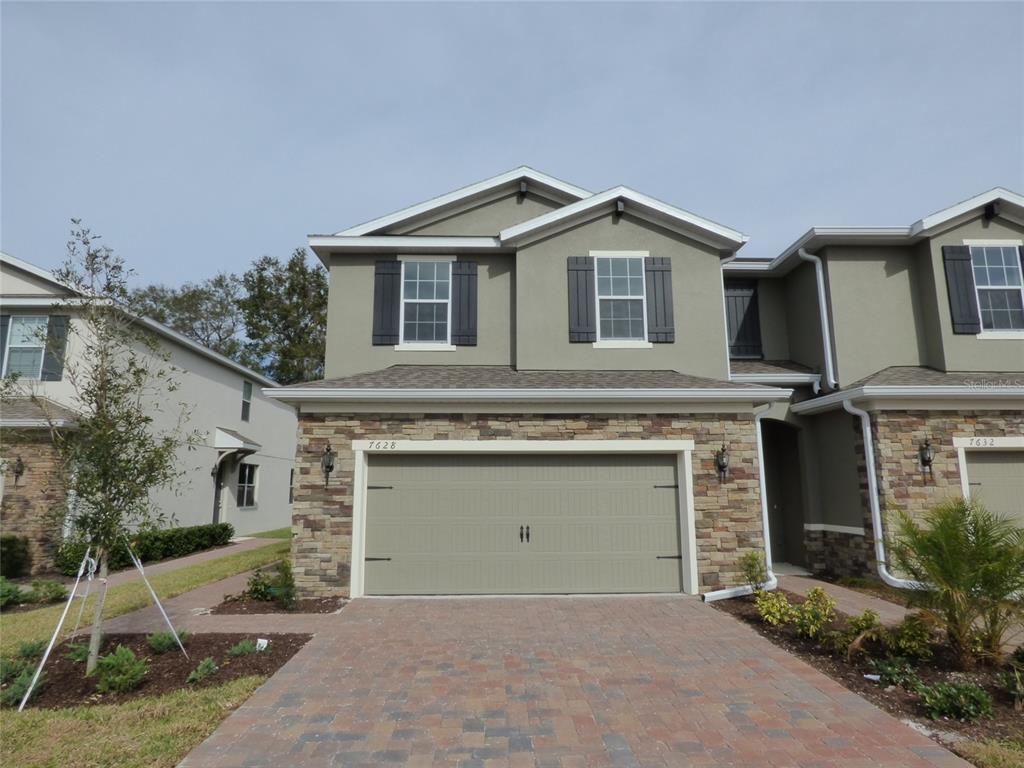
(946, 214)
(521, 395)
(836, 399)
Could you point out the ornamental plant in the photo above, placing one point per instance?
(815, 613)
(206, 668)
(966, 702)
(774, 608)
(120, 671)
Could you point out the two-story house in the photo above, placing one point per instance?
(240, 472)
(531, 388)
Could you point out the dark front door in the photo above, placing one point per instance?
(785, 494)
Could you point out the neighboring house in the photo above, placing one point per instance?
(240, 472)
(531, 388)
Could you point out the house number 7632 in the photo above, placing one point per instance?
(383, 445)
(983, 442)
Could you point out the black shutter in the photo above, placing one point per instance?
(661, 327)
(464, 303)
(742, 317)
(963, 302)
(56, 344)
(582, 315)
(387, 295)
(5, 323)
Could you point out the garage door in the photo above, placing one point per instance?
(521, 524)
(997, 480)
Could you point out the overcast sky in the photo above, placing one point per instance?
(198, 137)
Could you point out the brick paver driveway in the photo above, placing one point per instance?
(611, 681)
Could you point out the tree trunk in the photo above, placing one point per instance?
(96, 636)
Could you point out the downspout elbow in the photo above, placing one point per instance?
(826, 335)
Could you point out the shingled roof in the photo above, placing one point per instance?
(28, 411)
(921, 376)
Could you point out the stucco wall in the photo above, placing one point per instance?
(771, 301)
(483, 219)
(802, 318)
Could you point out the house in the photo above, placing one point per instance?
(239, 473)
(532, 388)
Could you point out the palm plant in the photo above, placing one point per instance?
(970, 563)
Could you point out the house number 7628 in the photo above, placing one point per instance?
(383, 445)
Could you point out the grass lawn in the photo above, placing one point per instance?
(38, 624)
(155, 732)
(277, 533)
(994, 754)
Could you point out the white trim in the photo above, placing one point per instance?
(413, 346)
(683, 449)
(993, 243)
(788, 379)
(623, 344)
(946, 214)
(403, 257)
(995, 333)
(751, 394)
(34, 423)
(989, 443)
(41, 347)
(424, 346)
(836, 399)
(523, 173)
(999, 335)
(853, 530)
(621, 256)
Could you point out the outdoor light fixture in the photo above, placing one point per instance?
(19, 469)
(722, 463)
(327, 464)
(926, 454)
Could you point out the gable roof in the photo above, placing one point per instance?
(546, 185)
(636, 203)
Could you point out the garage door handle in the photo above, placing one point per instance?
(377, 559)
(520, 533)
(667, 486)
(527, 534)
(668, 557)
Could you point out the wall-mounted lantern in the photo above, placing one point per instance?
(327, 464)
(722, 463)
(19, 469)
(926, 455)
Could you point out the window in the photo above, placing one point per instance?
(426, 308)
(622, 305)
(246, 495)
(997, 279)
(246, 399)
(26, 343)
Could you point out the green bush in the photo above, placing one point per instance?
(149, 545)
(162, 642)
(961, 701)
(33, 649)
(120, 671)
(859, 630)
(11, 668)
(912, 637)
(774, 608)
(10, 593)
(896, 671)
(242, 648)
(260, 586)
(15, 557)
(755, 575)
(815, 613)
(78, 653)
(1011, 683)
(206, 668)
(47, 591)
(12, 695)
(284, 585)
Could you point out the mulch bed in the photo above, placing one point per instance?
(67, 686)
(243, 604)
(1005, 724)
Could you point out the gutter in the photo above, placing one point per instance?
(334, 394)
(773, 582)
(826, 336)
(876, 511)
(965, 391)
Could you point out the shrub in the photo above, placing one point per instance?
(78, 653)
(149, 545)
(11, 668)
(260, 586)
(12, 695)
(859, 630)
(15, 557)
(284, 585)
(206, 668)
(755, 575)
(970, 563)
(815, 613)
(32, 649)
(1011, 683)
(242, 648)
(162, 642)
(896, 671)
(120, 671)
(10, 593)
(47, 591)
(774, 608)
(912, 637)
(961, 701)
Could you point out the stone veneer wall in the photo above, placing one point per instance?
(34, 506)
(837, 554)
(728, 515)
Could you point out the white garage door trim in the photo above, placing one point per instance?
(964, 444)
(682, 448)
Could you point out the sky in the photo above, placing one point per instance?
(197, 137)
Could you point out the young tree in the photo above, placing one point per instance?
(116, 455)
(285, 311)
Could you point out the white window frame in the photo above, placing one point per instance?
(993, 334)
(246, 415)
(421, 346)
(643, 343)
(7, 346)
(255, 484)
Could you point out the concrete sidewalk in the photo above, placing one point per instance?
(848, 601)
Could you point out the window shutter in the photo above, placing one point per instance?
(56, 344)
(661, 327)
(963, 301)
(582, 314)
(464, 303)
(742, 317)
(5, 324)
(387, 295)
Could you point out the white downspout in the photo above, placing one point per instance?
(722, 594)
(826, 336)
(876, 511)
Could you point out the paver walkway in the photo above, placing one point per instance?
(569, 682)
(848, 601)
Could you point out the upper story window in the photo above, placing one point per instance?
(621, 298)
(26, 346)
(997, 279)
(742, 318)
(246, 492)
(426, 302)
(246, 400)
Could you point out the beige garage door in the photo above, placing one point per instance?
(521, 524)
(997, 480)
